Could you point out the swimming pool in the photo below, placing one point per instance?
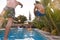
(22, 34)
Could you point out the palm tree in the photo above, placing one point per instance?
(49, 12)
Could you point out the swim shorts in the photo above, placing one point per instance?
(39, 13)
(9, 12)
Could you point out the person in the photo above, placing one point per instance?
(29, 26)
(39, 10)
(9, 12)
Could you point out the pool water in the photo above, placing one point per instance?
(22, 34)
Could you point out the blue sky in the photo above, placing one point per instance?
(28, 6)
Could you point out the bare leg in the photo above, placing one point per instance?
(1, 21)
(7, 29)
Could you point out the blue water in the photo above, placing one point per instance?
(22, 34)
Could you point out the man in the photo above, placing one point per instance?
(39, 10)
(29, 26)
(10, 11)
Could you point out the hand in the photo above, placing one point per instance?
(21, 6)
(2, 13)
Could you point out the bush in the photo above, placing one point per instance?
(54, 32)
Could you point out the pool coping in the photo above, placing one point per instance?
(4, 28)
(48, 35)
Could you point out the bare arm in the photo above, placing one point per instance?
(20, 4)
(35, 10)
(42, 9)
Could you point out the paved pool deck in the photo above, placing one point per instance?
(48, 35)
